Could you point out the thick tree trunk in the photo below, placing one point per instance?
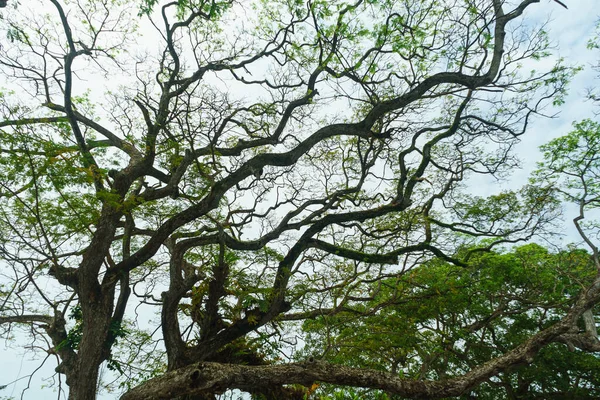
(92, 350)
(86, 384)
(90, 355)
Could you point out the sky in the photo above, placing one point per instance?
(569, 29)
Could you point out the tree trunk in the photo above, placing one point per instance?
(92, 350)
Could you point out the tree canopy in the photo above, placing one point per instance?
(272, 196)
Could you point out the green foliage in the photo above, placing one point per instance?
(594, 42)
(74, 335)
(440, 320)
(572, 165)
(212, 9)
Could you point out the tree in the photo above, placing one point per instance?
(242, 177)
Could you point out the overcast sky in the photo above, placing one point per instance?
(569, 29)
